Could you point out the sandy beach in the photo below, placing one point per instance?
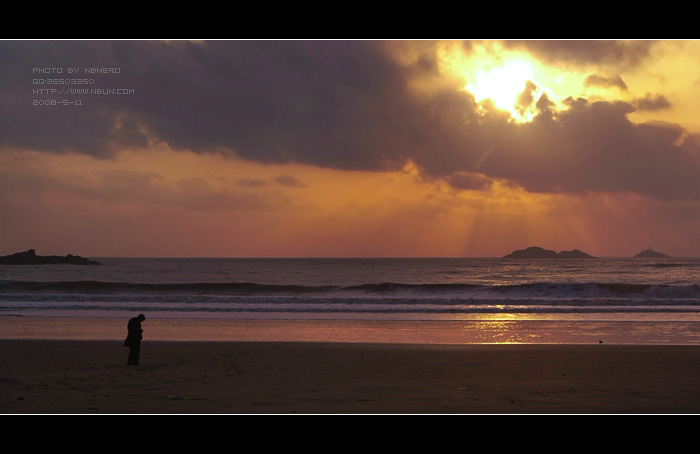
(90, 376)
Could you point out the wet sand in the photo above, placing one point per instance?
(83, 374)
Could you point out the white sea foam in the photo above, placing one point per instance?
(367, 288)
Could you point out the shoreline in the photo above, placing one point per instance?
(363, 331)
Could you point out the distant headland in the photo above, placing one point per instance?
(650, 254)
(30, 258)
(536, 252)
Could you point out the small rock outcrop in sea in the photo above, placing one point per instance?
(650, 254)
(535, 252)
(30, 258)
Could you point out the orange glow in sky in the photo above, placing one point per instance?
(467, 149)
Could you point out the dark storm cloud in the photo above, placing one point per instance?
(94, 129)
(589, 147)
(594, 147)
(344, 105)
(336, 104)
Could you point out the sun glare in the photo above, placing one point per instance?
(504, 85)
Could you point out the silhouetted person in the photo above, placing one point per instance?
(133, 339)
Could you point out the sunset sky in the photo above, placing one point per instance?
(350, 148)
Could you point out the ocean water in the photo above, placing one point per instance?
(565, 290)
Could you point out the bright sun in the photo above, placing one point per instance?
(503, 85)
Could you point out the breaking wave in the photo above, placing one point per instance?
(384, 290)
(388, 299)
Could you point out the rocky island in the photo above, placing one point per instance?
(651, 254)
(30, 258)
(535, 252)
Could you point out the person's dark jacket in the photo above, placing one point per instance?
(135, 332)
